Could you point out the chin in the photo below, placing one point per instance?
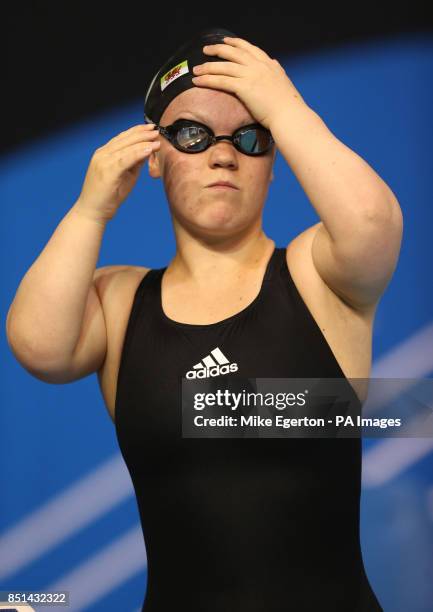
(220, 212)
(217, 223)
(215, 216)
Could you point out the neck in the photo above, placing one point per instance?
(204, 261)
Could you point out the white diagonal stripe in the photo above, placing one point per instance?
(413, 358)
(390, 457)
(410, 360)
(104, 571)
(208, 361)
(80, 504)
(388, 392)
(219, 356)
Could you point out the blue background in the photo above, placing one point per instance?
(68, 516)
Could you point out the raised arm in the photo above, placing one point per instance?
(55, 325)
(357, 242)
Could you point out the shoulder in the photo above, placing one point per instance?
(116, 270)
(114, 283)
(107, 275)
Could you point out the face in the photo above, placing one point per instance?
(187, 176)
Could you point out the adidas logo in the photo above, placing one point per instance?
(214, 364)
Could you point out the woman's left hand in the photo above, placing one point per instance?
(260, 82)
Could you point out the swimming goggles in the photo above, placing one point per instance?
(191, 136)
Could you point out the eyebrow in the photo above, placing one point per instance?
(203, 119)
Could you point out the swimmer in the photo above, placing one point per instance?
(254, 525)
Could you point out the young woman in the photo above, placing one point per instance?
(263, 524)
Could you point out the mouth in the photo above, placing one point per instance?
(223, 185)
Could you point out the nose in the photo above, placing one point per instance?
(223, 153)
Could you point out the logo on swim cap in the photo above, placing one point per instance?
(174, 73)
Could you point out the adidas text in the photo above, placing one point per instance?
(216, 370)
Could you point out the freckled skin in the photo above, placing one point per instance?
(212, 212)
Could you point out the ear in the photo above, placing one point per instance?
(154, 166)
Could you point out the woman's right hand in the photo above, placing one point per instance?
(114, 170)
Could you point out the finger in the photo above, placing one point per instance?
(129, 157)
(225, 68)
(228, 52)
(225, 83)
(131, 138)
(241, 43)
(134, 128)
(141, 128)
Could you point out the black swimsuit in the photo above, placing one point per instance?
(235, 524)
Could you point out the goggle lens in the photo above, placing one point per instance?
(254, 141)
(192, 138)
